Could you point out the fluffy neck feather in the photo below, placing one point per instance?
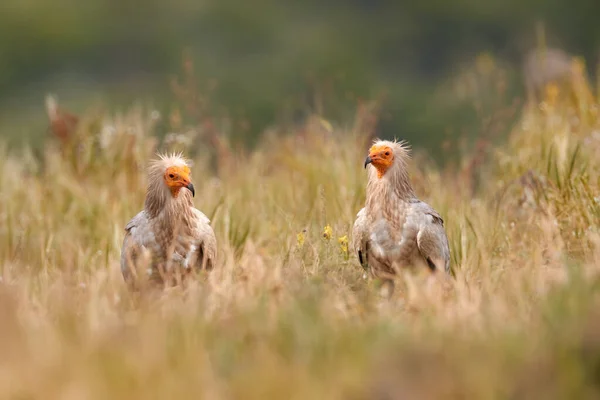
(160, 200)
(395, 182)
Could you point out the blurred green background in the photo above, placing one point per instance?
(274, 61)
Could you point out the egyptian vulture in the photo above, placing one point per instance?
(169, 234)
(395, 229)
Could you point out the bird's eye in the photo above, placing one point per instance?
(387, 153)
(171, 176)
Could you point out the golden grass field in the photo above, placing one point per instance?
(287, 312)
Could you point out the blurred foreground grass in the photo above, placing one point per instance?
(287, 314)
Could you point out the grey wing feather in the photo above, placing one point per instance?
(432, 240)
(206, 251)
(138, 237)
(360, 237)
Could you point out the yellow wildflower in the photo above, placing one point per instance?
(343, 241)
(327, 232)
(300, 239)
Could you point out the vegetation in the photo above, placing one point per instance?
(276, 59)
(287, 312)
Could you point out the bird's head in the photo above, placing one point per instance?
(171, 171)
(177, 177)
(383, 155)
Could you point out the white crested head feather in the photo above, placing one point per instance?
(401, 148)
(159, 165)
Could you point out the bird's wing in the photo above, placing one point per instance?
(360, 238)
(377, 264)
(431, 237)
(138, 237)
(206, 250)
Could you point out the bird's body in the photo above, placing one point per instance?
(395, 229)
(173, 234)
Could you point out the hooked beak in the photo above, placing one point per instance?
(190, 186)
(368, 161)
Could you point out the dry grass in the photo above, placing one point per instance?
(286, 313)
